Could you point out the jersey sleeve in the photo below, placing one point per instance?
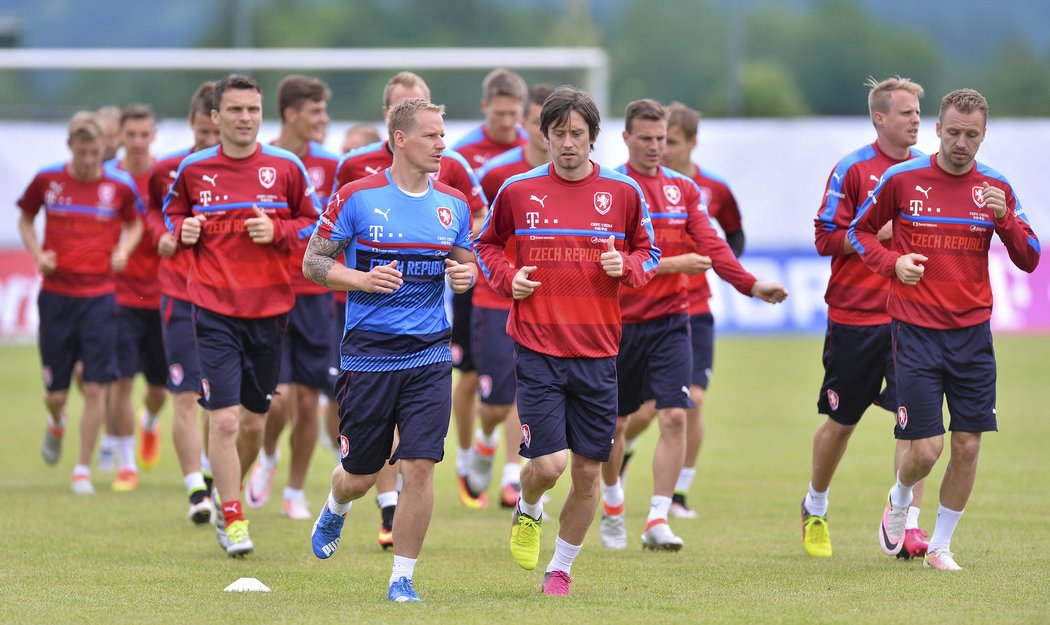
(1017, 235)
(33, 197)
(490, 248)
(465, 235)
(641, 256)
(726, 211)
(158, 187)
(879, 208)
(462, 178)
(698, 226)
(303, 204)
(837, 211)
(177, 207)
(336, 223)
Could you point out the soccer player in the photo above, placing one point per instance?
(857, 346)
(109, 119)
(91, 228)
(494, 353)
(302, 104)
(239, 206)
(359, 135)
(180, 344)
(682, 125)
(578, 232)
(654, 348)
(502, 101)
(140, 346)
(944, 210)
(456, 173)
(404, 235)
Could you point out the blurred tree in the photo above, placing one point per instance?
(770, 90)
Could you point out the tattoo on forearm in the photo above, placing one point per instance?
(319, 258)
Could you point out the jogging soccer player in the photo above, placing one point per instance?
(180, 343)
(494, 353)
(92, 226)
(857, 345)
(302, 104)
(359, 135)
(456, 173)
(503, 96)
(655, 348)
(239, 206)
(578, 231)
(404, 235)
(140, 346)
(944, 210)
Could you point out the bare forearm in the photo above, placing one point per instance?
(28, 234)
(320, 264)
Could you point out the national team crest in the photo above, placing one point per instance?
(45, 373)
(833, 399)
(978, 196)
(267, 177)
(316, 177)
(445, 216)
(485, 386)
(176, 374)
(672, 193)
(206, 389)
(602, 202)
(902, 417)
(526, 436)
(344, 446)
(705, 196)
(107, 192)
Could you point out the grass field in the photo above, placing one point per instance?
(134, 558)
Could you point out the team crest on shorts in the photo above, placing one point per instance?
(603, 202)
(445, 216)
(833, 399)
(344, 446)
(672, 193)
(978, 196)
(45, 372)
(206, 389)
(902, 417)
(526, 436)
(267, 177)
(457, 353)
(485, 385)
(176, 374)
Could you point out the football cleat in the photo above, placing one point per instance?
(474, 501)
(613, 531)
(107, 457)
(386, 527)
(816, 539)
(916, 542)
(295, 508)
(891, 529)
(556, 583)
(260, 483)
(328, 529)
(525, 540)
(82, 485)
(679, 509)
(479, 475)
(149, 444)
(942, 559)
(402, 591)
(240, 543)
(51, 447)
(127, 481)
(659, 537)
(220, 521)
(201, 512)
(510, 495)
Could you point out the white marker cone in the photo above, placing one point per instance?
(247, 584)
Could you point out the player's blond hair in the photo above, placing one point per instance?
(405, 114)
(503, 82)
(880, 92)
(407, 80)
(965, 101)
(85, 125)
(684, 118)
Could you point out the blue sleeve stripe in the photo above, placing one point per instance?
(237, 206)
(1034, 243)
(838, 175)
(559, 232)
(473, 136)
(82, 210)
(957, 221)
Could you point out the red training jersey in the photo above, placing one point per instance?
(945, 218)
(83, 226)
(562, 228)
(320, 165)
(172, 272)
(722, 207)
(478, 147)
(230, 274)
(137, 285)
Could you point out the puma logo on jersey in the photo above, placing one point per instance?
(538, 199)
(210, 179)
(385, 214)
(873, 177)
(835, 176)
(925, 192)
(372, 170)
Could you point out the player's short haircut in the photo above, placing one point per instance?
(137, 110)
(232, 81)
(880, 92)
(684, 118)
(366, 130)
(965, 101)
(647, 109)
(403, 116)
(538, 94)
(295, 89)
(85, 125)
(109, 113)
(201, 100)
(407, 80)
(503, 82)
(560, 104)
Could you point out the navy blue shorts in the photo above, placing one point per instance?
(417, 401)
(856, 361)
(494, 356)
(702, 329)
(565, 403)
(72, 329)
(336, 338)
(240, 359)
(307, 352)
(934, 364)
(462, 351)
(655, 359)
(140, 345)
(180, 345)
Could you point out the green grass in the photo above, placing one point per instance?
(134, 558)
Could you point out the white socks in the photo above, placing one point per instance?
(403, 567)
(612, 496)
(193, 481)
(534, 510)
(913, 519)
(386, 499)
(658, 508)
(817, 502)
(338, 509)
(126, 452)
(685, 480)
(944, 527)
(463, 461)
(511, 474)
(564, 554)
(900, 495)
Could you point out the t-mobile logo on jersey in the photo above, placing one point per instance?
(532, 218)
(915, 206)
(376, 232)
